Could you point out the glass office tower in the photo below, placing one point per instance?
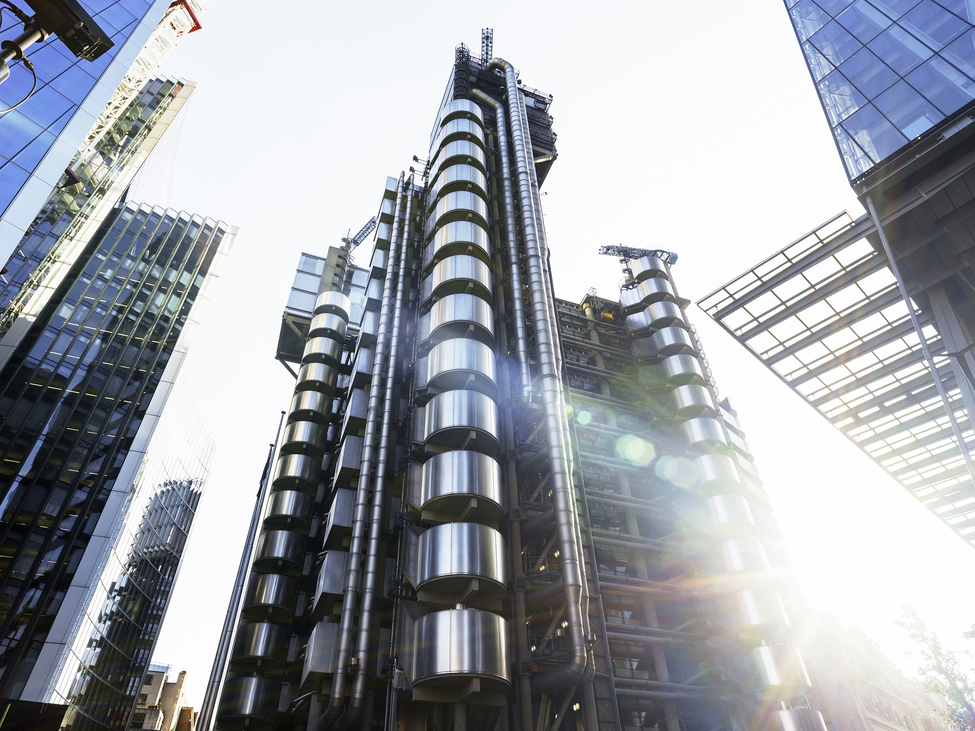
(495, 509)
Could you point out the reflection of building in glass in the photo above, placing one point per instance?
(82, 393)
(491, 502)
(856, 686)
(76, 100)
(104, 660)
(871, 321)
(160, 706)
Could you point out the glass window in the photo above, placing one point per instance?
(303, 301)
(807, 18)
(307, 282)
(910, 112)
(833, 6)
(816, 61)
(962, 8)
(872, 132)
(868, 73)
(863, 20)
(933, 24)
(18, 132)
(840, 97)
(311, 264)
(895, 8)
(900, 50)
(961, 53)
(836, 43)
(944, 85)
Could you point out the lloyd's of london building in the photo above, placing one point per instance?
(494, 509)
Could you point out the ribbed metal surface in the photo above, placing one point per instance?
(296, 472)
(461, 420)
(289, 510)
(270, 597)
(458, 177)
(716, 473)
(663, 343)
(740, 555)
(459, 153)
(328, 325)
(656, 316)
(280, 551)
(451, 481)
(647, 267)
(317, 377)
(310, 406)
(728, 516)
(458, 363)
(778, 672)
(703, 436)
(457, 316)
(257, 643)
(303, 437)
(691, 402)
(326, 351)
(451, 555)
(674, 371)
(458, 129)
(456, 275)
(757, 614)
(645, 293)
(249, 701)
(454, 646)
(461, 108)
(458, 237)
(460, 205)
(333, 302)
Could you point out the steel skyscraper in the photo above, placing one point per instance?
(493, 508)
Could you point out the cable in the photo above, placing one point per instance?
(28, 64)
(16, 11)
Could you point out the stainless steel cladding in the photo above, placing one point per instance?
(454, 646)
(257, 643)
(795, 719)
(310, 406)
(460, 205)
(647, 267)
(691, 402)
(451, 555)
(328, 325)
(663, 343)
(459, 153)
(646, 293)
(458, 129)
(317, 377)
(674, 371)
(656, 316)
(778, 672)
(458, 237)
(303, 437)
(757, 615)
(716, 473)
(331, 582)
(457, 177)
(456, 275)
(296, 472)
(289, 509)
(461, 109)
(740, 556)
(458, 363)
(703, 436)
(248, 702)
(325, 350)
(280, 550)
(728, 516)
(271, 597)
(458, 316)
(461, 420)
(451, 481)
(333, 302)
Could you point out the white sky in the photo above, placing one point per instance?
(688, 126)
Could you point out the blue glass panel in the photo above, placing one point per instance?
(62, 121)
(12, 178)
(48, 61)
(910, 112)
(17, 132)
(833, 6)
(900, 50)
(807, 18)
(868, 73)
(871, 130)
(117, 16)
(942, 84)
(16, 87)
(75, 83)
(863, 20)
(816, 61)
(835, 42)
(856, 161)
(961, 8)
(46, 105)
(895, 8)
(933, 24)
(840, 97)
(961, 53)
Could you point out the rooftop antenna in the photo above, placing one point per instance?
(487, 44)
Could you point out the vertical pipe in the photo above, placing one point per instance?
(362, 491)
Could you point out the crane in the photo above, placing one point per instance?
(350, 244)
(627, 253)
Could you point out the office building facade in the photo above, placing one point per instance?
(870, 319)
(492, 508)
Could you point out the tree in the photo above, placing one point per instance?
(941, 670)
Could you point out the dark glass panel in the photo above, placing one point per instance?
(835, 42)
(863, 21)
(942, 84)
(933, 24)
(868, 73)
(840, 97)
(874, 133)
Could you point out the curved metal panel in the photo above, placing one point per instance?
(728, 515)
(703, 436)
(647, 267)
(460, 205)
(248, 701)
(645, 293)
(691, 402)
(355, 412)
(450, 482)
(317, 377)
(674, 371)
(656, 316)
(460, 152)
(716, 473)
(458, 316)
(666, 342)
(461, 108)
(457, 177)
(328, 325)
(282, 551)
(458, 363)
(757, 614)
(458, 274)
(451, 555)
(334, 302)
(778, 672)
(795, 719)
(322, 350)
(296, 472)
(458, 237)
(303, 437)
(289, 510)
(310, 406)
(740, 555)
(270, 597)
(458, 129)
(462, 420)
(454, 646)
(257, 643)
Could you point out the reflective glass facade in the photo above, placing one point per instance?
(38, 138)
(75, 395)
(887, 71)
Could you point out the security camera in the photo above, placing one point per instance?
(72, 25)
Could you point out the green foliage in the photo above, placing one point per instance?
(941, 670)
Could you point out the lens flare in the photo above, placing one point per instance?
(584, 418)
(635, 450)
(679, 471)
